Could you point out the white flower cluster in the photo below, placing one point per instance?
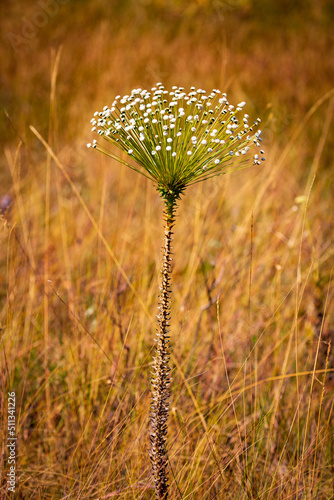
(177, 136)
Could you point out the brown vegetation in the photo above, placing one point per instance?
(252, 304)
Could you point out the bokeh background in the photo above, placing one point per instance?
(252, 399)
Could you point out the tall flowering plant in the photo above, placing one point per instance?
(176, 139)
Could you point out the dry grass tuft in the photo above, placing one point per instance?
(252, 393)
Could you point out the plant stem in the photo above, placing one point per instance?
(161, 372)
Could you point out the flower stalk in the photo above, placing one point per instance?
(160, 382)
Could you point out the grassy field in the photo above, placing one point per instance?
(253, 295)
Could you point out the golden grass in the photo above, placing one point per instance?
(252, 392)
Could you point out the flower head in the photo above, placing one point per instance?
(176, 138)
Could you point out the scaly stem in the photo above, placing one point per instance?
(161, 370)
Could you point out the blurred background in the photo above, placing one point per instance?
(277, 55)
(253, 293)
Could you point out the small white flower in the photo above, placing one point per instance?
(158, 117)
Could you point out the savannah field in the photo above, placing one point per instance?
(252, 326)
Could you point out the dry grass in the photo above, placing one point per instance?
(252, 393)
